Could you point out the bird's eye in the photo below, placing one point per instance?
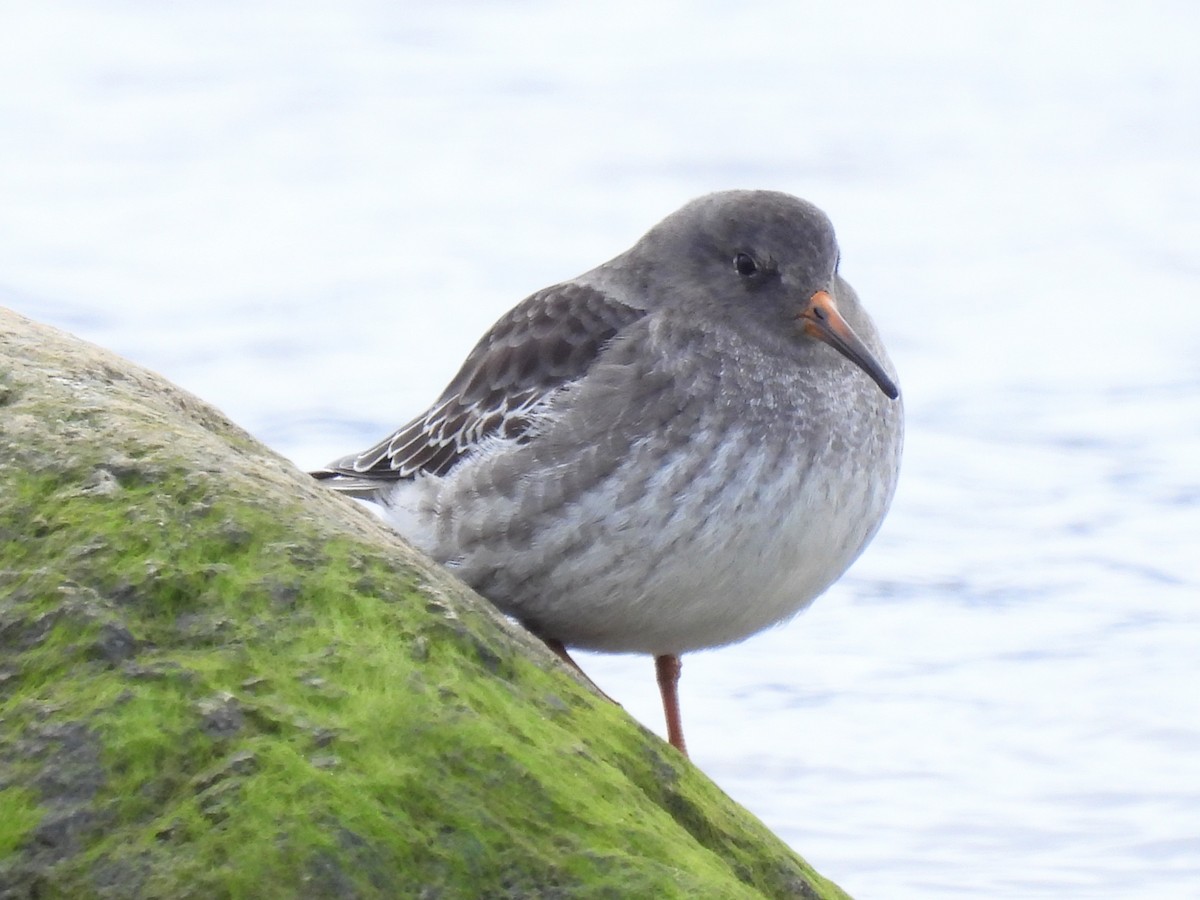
(745, 264)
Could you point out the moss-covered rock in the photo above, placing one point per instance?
(218, 679)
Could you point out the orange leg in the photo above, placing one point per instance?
(667, 668)
(560, 651)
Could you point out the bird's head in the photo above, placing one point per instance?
(767, 258)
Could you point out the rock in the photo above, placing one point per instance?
(218, 678)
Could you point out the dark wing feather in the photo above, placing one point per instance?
(543, 344)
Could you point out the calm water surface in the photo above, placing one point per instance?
(307, 214)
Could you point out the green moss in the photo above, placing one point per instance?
(218, 689)
(19, 813)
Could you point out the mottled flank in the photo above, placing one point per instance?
(218, 679)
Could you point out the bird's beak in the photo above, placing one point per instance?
(821, 320)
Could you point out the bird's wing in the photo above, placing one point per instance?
(542, 345)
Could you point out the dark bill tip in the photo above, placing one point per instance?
(823, 321)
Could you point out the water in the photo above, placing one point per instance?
(306, 214)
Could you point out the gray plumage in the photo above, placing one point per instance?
(671, 451)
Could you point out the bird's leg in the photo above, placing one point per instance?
(560, 651)
(668, 667)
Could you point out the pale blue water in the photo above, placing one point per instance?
(307, 213)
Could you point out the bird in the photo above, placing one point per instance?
(672, 451)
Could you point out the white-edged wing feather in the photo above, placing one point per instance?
(540, 346)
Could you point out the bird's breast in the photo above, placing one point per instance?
(696, 533)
